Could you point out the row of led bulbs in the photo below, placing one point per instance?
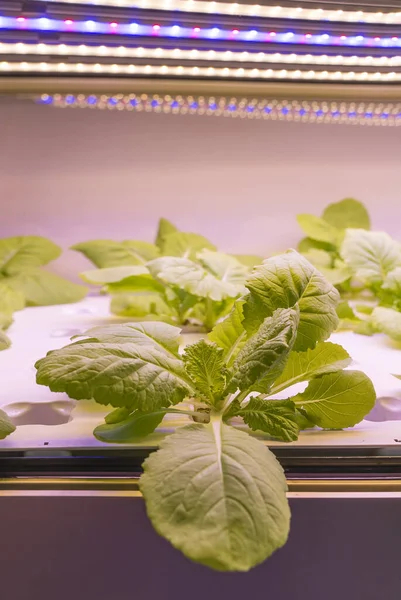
(255, 10)
(383, 114)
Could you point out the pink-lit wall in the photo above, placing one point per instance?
(78, 174)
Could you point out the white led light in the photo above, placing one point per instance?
(204, 55)
(201, 71)
(224, 8)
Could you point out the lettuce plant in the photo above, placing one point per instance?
(212, 489)
(23, 281)
(364, 265)
(173, 289)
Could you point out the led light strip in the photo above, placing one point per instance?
(206, 33)
(199, 72)
(318, 112)
(256, 10)
(202, 55)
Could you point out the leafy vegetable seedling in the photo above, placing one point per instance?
(214, 490)
(364, 265)
(23, 281)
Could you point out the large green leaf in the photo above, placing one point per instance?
(126, 374)
(346, 214)
(42, 288)
(217, 495)
(337, 400)
(204, 363)
(275, 417)
(149, 306)
(388, 321)
(113, 274)
(302, 366)
(318, 229)
(10, 299)
(370, 254)
(307, 244)
(161, 336)
(6, 426)
(134, 428)
(107, 253)
(26, 252)
(287, 280)
(185, 245)
(193, 278)
(393, 282)
(164, 229)
(263, 356)
(229, 334)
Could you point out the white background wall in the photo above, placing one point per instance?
(78, 174)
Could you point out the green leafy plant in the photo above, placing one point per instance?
(212, 489)
(181, 279)
(364, 265)
(23, 281)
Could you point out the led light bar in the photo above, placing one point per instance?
(256, 10)
(199, 55)
(196, 72)
(202, 33)
(316, 112)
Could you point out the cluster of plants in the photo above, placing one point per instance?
(213, 488)
(180, 279)
(364, 265)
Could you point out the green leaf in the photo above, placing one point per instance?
(275, 417)
(351, 322)
(193, 278)
(262, 358)
(107, 253)
(6, 426)
(249, 260)
(322, 260)
(185, 245)
(344, 311)
(10, 299)
(287, 280)
(337, 400)
(204, 363)
(302, 366)
(217, 495)
(388, 321)
(5, 343)
(370, 254)
(113, 274)
(133, 429)
(149, 306)
(229, 334)
(165, 338)
(117, 415)
(346, 214)
(392, 281)
(123, 375)
(307, 244)
(318, 229)
(6, 318)
(41, 288)
(224, 267)
(26, 252)
(164, 229)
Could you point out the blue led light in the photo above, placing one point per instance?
(335, 113)
(213, 106)
(285, 110)
(352, 114)
(232, 107)
(113, 101)
(174, 31)
(175, 104)
(250, 109)
(70, 99)
(154, 103)
(368, 115)
(194, 105)
(91, 100)
(385, 116)
(268, 109)
(133, 102)
(46, 99)
(319, 113)
(302, 112)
